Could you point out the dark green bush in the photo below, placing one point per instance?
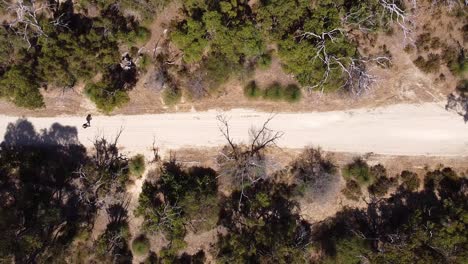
(20, 87)
(252, 91)
(141, 245)
(189, 200)
(105, 97)
(171, 95)
(264, 61)
(292, 93)
(273, 92)
(359, 171)
(456, 59)
(137, 165)
(409, 180)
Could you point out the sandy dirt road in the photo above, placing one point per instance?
(425, 129)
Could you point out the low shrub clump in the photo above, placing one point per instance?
(141, 245)
(264, 61)
(292, 93)
(171, 96)
(275, 92)
(105, 97)
(252, 91)
(429, 65)
(137, 165)
(359, 171)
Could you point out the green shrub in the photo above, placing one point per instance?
(171, 96)
(252, 91)
(264, 61)
(137, 165)
(217, 70)
(349, 251)
(274, 92)
(359, 171)
(20, 87)
(292, 93)
(144, 62)
(203, 213)
(141, 245)
(104, 98)
(190, 201)
(410, 180)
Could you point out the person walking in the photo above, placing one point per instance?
(88, 121)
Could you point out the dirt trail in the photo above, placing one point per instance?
(425, 129)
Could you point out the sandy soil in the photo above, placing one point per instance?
(425, 129)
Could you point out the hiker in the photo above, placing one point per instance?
(88, 121)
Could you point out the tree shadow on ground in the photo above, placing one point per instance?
(384, 221)
(38, 198)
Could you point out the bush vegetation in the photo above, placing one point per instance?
(238, 33)
(265, 226)
(429, 65)
(189, 194)
(315, 175)
(137, 165)
(252, 91)
(65, 55)
(141, 245)
(171, 95)
(359, 171)
(275, 92)
(420, 230)
(410, 181)
(105, 97)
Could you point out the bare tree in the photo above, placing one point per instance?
(101, 175)
(315, 175)
(26, 22)
(245, 164)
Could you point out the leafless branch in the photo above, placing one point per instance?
(245, 164)
(400, 17)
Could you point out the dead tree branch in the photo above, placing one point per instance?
(245, 164)
(400, 17)
(26, 23)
